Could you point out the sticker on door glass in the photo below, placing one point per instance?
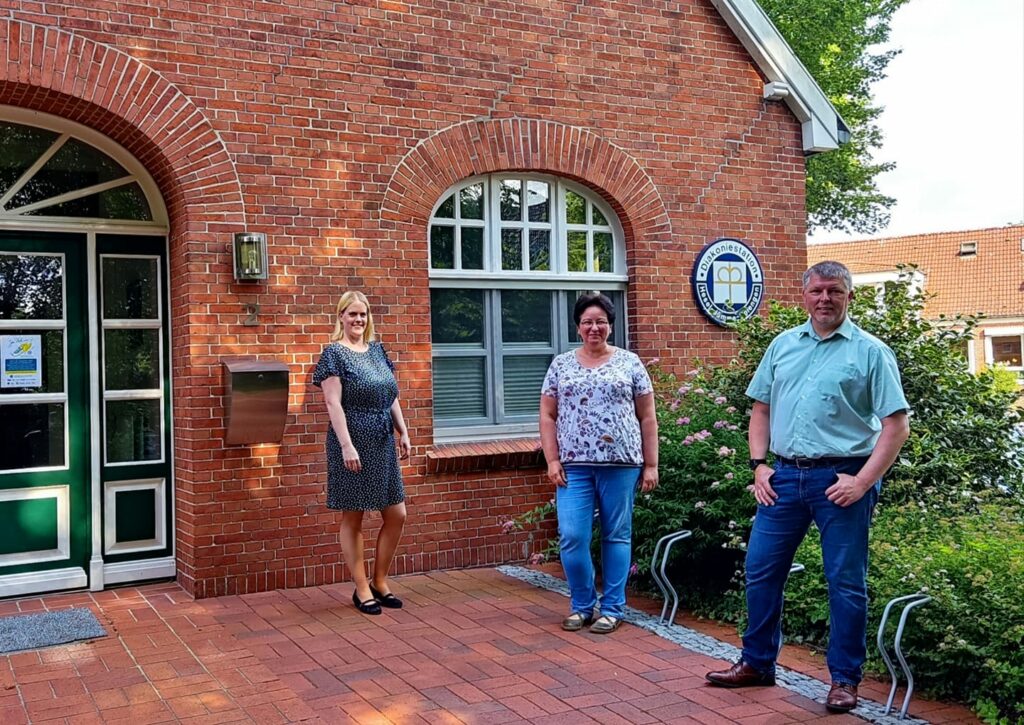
(20, 357)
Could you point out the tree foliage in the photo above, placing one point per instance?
(837, 40)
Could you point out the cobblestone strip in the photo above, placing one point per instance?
(797, 682)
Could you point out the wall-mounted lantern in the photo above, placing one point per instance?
(250, 256)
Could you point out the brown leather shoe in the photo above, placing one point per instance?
(740, 675)
(841, 698)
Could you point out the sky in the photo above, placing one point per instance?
(954, 118)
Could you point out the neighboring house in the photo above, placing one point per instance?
(470, 166)
(969, 272)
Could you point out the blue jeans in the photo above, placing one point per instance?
(777, 532)
(612, 489)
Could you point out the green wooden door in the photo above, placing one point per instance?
(45, 482)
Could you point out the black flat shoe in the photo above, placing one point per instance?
(388, 600)
(370, 606)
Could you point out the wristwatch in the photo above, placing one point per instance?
(755, 462)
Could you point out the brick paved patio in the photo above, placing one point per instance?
(471, 646)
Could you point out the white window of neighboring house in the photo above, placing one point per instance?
(509, 255)
(1004, 349)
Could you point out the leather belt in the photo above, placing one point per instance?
(825, 462)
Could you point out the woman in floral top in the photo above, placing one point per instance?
(600, 439)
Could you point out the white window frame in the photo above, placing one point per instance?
(993, 332)
(492, 280)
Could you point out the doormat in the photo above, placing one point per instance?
(31, 631)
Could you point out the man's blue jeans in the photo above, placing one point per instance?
(612, 489)
(777, 532)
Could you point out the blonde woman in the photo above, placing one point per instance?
(361, 393)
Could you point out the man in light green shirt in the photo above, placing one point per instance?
(829, 404)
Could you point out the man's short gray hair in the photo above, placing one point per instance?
(830, 270)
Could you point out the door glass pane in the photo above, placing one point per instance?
(459, 387)
(442, 247)
(577, 251)
(32, 435)
(76, 165)
(132, 359)
(575, 208)
(602, 252)
(526, 316)
(457, 317)
(512, 249)
(540, 249)
(129, 288)
(523, 377)
(538, 201)
(472, 247)
(133, 430)
(511, 200)
(31, 287)
(123, 202)
(51, 365)
(471, 202)
(20, 146)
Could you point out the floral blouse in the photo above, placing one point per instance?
(597, 420)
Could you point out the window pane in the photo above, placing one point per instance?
(457, 317)
(511, 249)
(575, 208)
(123, 202)
(31, 287)
(51, 346)
(132, 359)
(442, 247)
(599, 217)
(459, 388)
(602, 252)
(75, 166)
(471, 201)
(511, 200)
(130, 288)
(540, 249)
(523, 377)
(447, 209)
(32, 435)
(1007, 350)
(472, 247)
(577, 251)
(133, 430)
(20, 146)
(526, 316)
(538, 201)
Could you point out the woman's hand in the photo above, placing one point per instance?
(351, 456)
(556, 474)
(404, 446)
(649, 479)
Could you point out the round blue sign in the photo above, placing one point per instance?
(728, 281)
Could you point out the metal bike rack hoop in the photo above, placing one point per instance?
(912, 602)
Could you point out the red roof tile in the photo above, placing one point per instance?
(991, 281)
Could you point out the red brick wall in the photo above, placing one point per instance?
(333, 127)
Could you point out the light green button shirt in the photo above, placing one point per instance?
(827, 396)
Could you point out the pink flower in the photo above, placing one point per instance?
(633, 570)
(537, 558)
(683, 421)
(653, 361)
(507, 526)
(683, 390)
(730, 409)
(675, 404)
(719, 400)
(725, 451)
(721, 424)
(729, 476)
(688, 441)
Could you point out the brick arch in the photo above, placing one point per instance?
(521, 144)
(65, 74)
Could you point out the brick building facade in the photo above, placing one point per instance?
(337, 129)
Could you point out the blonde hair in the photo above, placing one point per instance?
(347, 299)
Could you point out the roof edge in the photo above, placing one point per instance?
(788, 79)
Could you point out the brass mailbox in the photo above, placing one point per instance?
(256, 399)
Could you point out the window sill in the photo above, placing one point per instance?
(485, 455)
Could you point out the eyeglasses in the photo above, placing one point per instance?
(587, 324)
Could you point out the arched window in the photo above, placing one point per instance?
(509, 255)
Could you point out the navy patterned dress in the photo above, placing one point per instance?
(368, 388)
